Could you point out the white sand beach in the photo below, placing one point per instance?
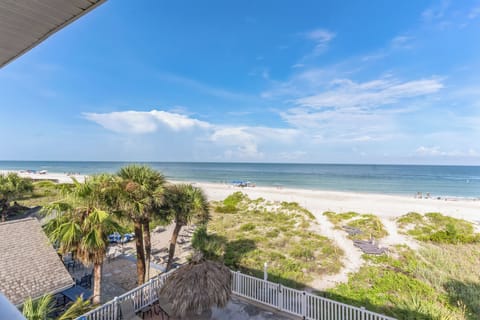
(51, 176)
(319, 201)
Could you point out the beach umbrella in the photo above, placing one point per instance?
(198, 286)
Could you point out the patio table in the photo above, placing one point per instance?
(74, 292)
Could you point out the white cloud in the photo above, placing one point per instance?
(428, 151)
(202, 87)
(436, 151)
(436, 11)
(235, 142)
(402, 42)
(345, 93)
(320, 35)
(139, 122)
(321, 38)
(474, 13)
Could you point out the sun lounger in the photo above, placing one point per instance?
(352, 231)
(369, 247)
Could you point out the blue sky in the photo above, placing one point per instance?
(269, 81)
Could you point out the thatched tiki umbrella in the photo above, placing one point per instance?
(197, 287)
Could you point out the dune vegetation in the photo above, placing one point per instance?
(44, 192)
(246, 233)
(369, 224)
(438, 228)
(439, 281)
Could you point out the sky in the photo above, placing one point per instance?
(388, 82)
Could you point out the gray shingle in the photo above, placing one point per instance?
(29, 265)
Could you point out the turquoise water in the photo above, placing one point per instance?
(455, 181)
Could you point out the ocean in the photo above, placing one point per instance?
(439, 181)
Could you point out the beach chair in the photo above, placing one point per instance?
(127, 310)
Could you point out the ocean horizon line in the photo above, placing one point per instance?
(440, 180)
(250, 162)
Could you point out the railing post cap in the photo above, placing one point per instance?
(363, 308)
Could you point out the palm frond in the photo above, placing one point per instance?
(75, 310)
(38, 309)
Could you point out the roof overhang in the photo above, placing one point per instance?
(26, 23)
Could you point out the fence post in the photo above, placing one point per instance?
(304, 304)
(115, 308)
(280, 297)
(363, 312)
(237, 281)
(150, 294)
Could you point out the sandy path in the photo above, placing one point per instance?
(352, 259)
(394, 237)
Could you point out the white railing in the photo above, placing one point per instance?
(299, 303)
(295, 302)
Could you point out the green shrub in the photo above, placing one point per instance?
(438, 228)
(231, 203)
(303, 253)
(338, 218)
(210, 245)
(433, 283)
(369, 224)
(272, 233)
(247, 227)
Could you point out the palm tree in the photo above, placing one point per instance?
(183, 203)
(80, 225)
(141, 190)
(12, 186)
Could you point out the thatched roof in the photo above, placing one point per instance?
(198, 286)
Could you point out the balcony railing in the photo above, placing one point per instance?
(285, 299)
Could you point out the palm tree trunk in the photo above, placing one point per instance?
(140, 253)
(148, 248)
(173, 242)
(97, 282)
(4, 208)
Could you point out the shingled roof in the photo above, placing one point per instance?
(29, 265)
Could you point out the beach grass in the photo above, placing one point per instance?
(439, 281)
(369, 224)
(252, 232)
(438, 228)
(44, 192)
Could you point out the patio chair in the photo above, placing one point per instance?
(127, 310)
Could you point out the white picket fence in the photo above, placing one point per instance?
(295, 302)
(299, 303)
